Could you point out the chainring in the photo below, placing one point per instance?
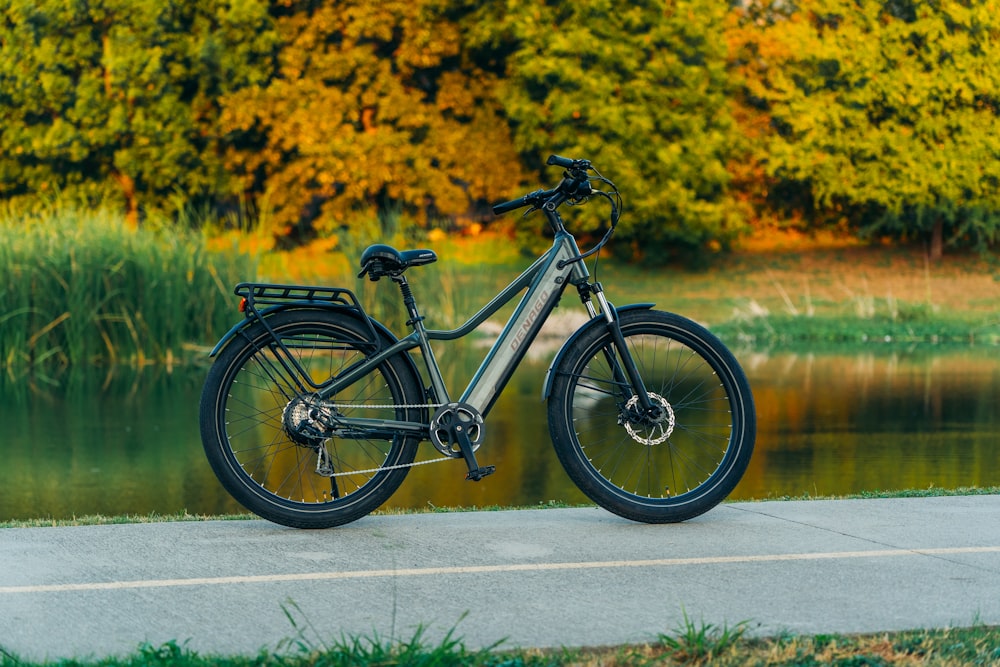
(446, 419)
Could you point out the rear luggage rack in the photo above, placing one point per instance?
(270, 294)
(267, 294)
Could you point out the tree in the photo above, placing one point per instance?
(640, 89)
(886, 111)
(116, 99)
(374, 107)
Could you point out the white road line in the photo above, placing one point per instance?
(486, 569)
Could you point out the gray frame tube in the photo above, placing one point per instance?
(524, 325)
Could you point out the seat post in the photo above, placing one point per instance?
(411, 304)
(438, 392)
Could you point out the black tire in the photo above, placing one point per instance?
(243, 422)
(660, 473)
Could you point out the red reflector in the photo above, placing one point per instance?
(243, 305)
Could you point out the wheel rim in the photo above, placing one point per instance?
(680, 455)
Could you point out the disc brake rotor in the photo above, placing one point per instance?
(653, 433)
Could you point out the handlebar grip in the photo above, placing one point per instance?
(506, 206)
(560, 161)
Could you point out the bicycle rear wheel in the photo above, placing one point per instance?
(257, 406)
(657, 471)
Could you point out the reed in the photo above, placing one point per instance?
(80, 288)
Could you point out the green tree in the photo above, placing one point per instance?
(639, 88)
(117, 99)
(886, 112)
(374, 107)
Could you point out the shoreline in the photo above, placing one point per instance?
(100, 520)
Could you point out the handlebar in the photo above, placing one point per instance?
(575, 185)
(567, 163)
(527, 200)
(575, 188)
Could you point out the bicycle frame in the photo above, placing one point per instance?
(545, 279)
(309, 389)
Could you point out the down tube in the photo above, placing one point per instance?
(521, 330)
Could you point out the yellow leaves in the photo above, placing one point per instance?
(351, 122)
(425, 44)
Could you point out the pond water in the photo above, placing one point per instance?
(874, 419)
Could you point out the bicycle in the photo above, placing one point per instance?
(312, 412)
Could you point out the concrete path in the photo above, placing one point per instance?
(543, 578)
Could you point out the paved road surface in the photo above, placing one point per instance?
(567, 577)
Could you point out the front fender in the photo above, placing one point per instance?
(595, 322)
(344, 310)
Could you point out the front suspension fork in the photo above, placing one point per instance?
(623, 368)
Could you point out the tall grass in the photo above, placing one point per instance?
(81, 288)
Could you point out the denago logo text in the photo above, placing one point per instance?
(522, 333)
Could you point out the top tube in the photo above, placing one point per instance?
(495, 304)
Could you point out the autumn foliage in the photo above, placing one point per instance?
(884, 114)
(319, 117)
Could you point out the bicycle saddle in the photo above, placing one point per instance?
(382, 260)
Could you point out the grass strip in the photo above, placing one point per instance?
(691, 643)
(81, 288)
(103, 520)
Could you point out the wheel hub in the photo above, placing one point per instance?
(308, 419)
(652, 428)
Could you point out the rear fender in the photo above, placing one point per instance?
(346, 311)
(597, 321)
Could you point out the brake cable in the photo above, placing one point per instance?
(615, 199)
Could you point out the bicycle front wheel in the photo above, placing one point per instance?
(665, 469)
(262, 423)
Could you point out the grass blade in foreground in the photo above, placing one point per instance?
(694, 644)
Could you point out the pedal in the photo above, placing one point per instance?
(460, 434)
(479, 473)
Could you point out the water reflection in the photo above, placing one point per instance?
(827, 424)
(128, 445)
(832, 424)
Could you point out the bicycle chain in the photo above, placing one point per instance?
(369, 470)
(338, 406)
